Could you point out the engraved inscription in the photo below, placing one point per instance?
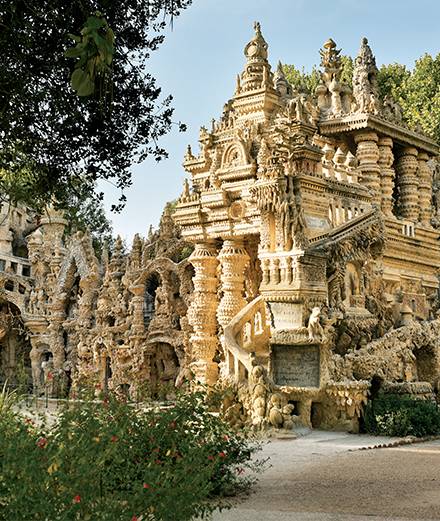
(296, 366)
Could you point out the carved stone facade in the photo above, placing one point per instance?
(117, 323)
(336, 191)
(310, 231)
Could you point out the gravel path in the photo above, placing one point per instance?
(323, 477)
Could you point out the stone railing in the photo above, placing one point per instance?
(15, 265)
(248, 332)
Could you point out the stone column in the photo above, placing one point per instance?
(424, 175)
(406, 169)
(233, 259)
(387, 174)
(137, 303)
(367, 154)
(202, 313)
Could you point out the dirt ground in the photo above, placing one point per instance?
(324, 477)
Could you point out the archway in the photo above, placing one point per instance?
(164, 365)
(15, 348)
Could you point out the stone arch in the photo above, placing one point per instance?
(165, 363)
(71, 264)
(234, 155)
(15, 347)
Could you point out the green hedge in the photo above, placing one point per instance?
(396, 415)
(110, 462)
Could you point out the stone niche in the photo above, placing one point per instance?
(296, 365)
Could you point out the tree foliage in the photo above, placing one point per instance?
(54, 140)
(417, 91)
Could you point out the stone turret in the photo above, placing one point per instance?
(257, 69)
(255, 95)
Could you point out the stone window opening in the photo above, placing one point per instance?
(316, 413)
(151, 286)
(108, 372)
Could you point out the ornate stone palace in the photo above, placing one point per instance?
(313, 228)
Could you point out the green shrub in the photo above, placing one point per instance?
(111, 462)
(8, 398)
(395, 415)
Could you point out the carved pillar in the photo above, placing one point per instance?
(387, 174)
(367, 154)
(406, 169)
(137, 305)
(425, 189)
(202, 313)
(233, 259)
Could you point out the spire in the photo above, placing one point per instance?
(136, 252)
(280, 82)
(117, 259)
(365, 88)
(256, 74)
(105, 256)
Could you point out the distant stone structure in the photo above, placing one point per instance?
(299, 268)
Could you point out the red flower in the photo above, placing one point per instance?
(221, 455)
(41, 443)
(50, 375)
(158, 462)
(134, 518)
(77, 499)
(146, 485)
(114, 438)
(211, 458)
(98, 386)
(226, 437)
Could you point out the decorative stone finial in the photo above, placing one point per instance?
(280, 82)
(257, 71)
(365, 88)
(257, 47)
(330, 61)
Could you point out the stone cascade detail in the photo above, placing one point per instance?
(233, 259)
(368, 156)
(202, 313)
(406, 169)
(246, 340)
(424, 189)
(387, 174)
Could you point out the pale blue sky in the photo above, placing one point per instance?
(201, 56)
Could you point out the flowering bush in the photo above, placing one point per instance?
(108, 461)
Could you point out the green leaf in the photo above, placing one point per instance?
(74, 37)
(82, 83)
(95, 23)
(74, 52)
